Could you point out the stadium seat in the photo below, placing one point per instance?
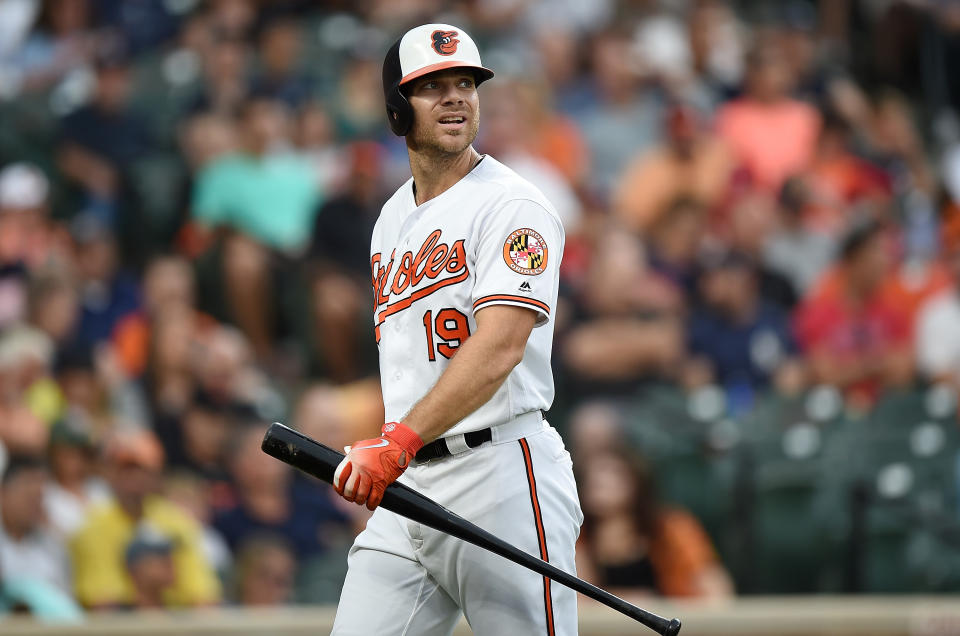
(907, 477)
(792, 476)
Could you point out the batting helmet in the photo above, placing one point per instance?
(421, 50)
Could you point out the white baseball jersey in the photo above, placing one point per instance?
(490, 239)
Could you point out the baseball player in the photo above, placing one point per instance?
(465, 259)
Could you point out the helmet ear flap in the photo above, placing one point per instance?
(399, 112)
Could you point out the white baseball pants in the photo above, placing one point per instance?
(407, 579)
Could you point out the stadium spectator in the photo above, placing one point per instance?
(595, 426)
(621, 119)
(169, 378)
(28, 548)
(149, 564)
(771, 135)
(35, 598)
(107, 292)
(225, 87)
(168, 285)
(796, 29)
(744, 340)
(553, 136)
(341, 273)
(319, 414)
(54, 305)
(316, 143)
(632, 544)
(197, 443)
(627, 323)
(99, 142)
(674, 243)
(28, 399)
(839, 180)
(938, 326)
(852, 335)
(508, 135)
(357, 102)
(264, 203)
(29, 240)
(270, 500)
(691, 164)
(717, 42)
(63, 42)
(558, 59)
(335, 416)
(749, 229)
(133, 461)
(896, 145)
(75, 486)
(205, 137)
(232, 18)
(93, 384)
(225, 369)
(199, 498)
(16, 21)
(149, 27)
(266, 567)
(793, 249)
(281, 53)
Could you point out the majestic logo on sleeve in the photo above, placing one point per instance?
(445, 42)
(525, 252)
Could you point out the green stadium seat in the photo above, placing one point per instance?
(905, 529)
(794, 507)
(694, 460)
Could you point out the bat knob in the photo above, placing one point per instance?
(672, 629)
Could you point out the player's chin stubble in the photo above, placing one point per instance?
(430, 140)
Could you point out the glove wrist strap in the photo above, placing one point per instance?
(403, 435)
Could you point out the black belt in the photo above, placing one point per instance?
(438, 447)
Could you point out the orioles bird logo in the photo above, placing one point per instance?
(445, 42)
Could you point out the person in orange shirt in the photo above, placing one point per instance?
(691, 164)
(838, 179)
(554, 137)
(168, 287)
(633, 545)
(771, 134)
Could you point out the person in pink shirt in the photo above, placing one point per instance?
(771, 134)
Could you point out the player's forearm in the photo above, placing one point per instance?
(479, 368)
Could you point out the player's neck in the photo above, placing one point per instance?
(434, 174)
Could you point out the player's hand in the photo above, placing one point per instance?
(373, 464)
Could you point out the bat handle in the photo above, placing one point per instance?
(672, 629)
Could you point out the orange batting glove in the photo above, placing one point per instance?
(373, 464)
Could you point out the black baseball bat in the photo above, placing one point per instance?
(320, 461)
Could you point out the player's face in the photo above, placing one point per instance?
(446, 112)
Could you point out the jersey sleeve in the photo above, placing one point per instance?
(518, 259)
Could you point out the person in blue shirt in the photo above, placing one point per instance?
(743, 340)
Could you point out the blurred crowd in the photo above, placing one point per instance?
(759, 197)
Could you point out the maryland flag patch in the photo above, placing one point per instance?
(525, 252)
